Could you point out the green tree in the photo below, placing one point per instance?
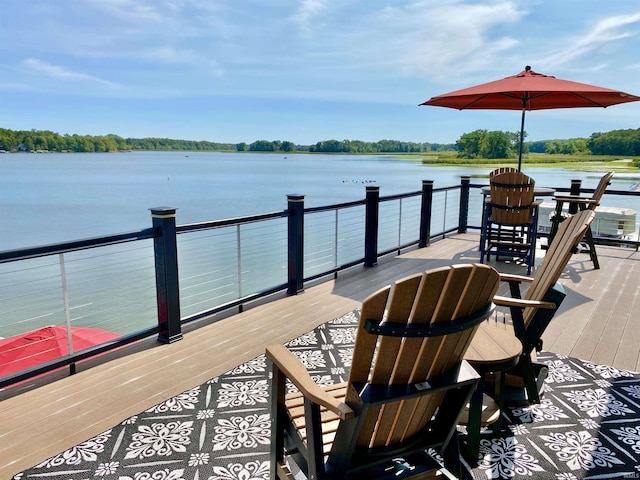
(485, 144)
(288, 147)
(615, 142)
(470, 145)
(28, 144)
(497, 145)
(261, 146)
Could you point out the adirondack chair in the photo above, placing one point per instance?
(576, 203)
(532, 314)
(510, 222)
(492, 174)
(407, 386)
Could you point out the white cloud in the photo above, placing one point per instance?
(55, 71)
(132, 10)
(435, 38)
(315, 48)
(307, 14)
(604, 32)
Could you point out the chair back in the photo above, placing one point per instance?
(604, 182)
(443, 307)
(557, 257)
(511, 198)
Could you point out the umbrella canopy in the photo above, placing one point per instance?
(49, 343)
(529, 90)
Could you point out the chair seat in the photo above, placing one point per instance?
(295, 409)
(294, 403)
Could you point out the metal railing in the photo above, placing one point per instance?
(152, 281)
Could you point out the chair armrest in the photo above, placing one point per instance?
(509, 277)
(295, 371)
(521, 303)
(573, 199)
(514, 282)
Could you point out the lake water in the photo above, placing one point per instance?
(50, 198)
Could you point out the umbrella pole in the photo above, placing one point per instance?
(521, 140)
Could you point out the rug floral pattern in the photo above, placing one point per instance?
(587, 425)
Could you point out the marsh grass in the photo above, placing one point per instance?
(615, 163)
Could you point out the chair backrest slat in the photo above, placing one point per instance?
(500, 170)
(557, 257)
(439, 295)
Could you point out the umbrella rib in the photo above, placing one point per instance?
(575, 94)
(597, 104)
(478, 99)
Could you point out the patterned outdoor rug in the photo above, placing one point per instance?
(587, 426)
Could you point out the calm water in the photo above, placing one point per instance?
(49, 198)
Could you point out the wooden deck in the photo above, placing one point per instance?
(598, 321)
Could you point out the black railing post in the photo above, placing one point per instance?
(295, 206)
(463, 218)
(371, 226)
(166, 260)
(425, 213)
(576, 185)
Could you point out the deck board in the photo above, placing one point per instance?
(40, 422)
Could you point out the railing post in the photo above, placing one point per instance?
(295, 206)
(371, 226)
(425, 213)
(463, 218)
(576, 185)
(166, 260)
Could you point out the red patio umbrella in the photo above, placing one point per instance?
(48, 343)
(529, 90)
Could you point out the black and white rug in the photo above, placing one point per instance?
(587, 426)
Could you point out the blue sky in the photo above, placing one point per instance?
(304, 70)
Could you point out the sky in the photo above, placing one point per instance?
(305, 70)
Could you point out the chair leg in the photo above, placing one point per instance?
(473, 426)
(314, 440)
(277, 427)
(484, 232)
(588, 237)
(530, 380)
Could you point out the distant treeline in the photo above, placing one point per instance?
(615, 142)
(497, 144)
(45, 140)
(477, 144)
(346, 146)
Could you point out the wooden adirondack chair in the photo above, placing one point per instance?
(576, 203)
(407, 387)
(510, 219)
(531, 315)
